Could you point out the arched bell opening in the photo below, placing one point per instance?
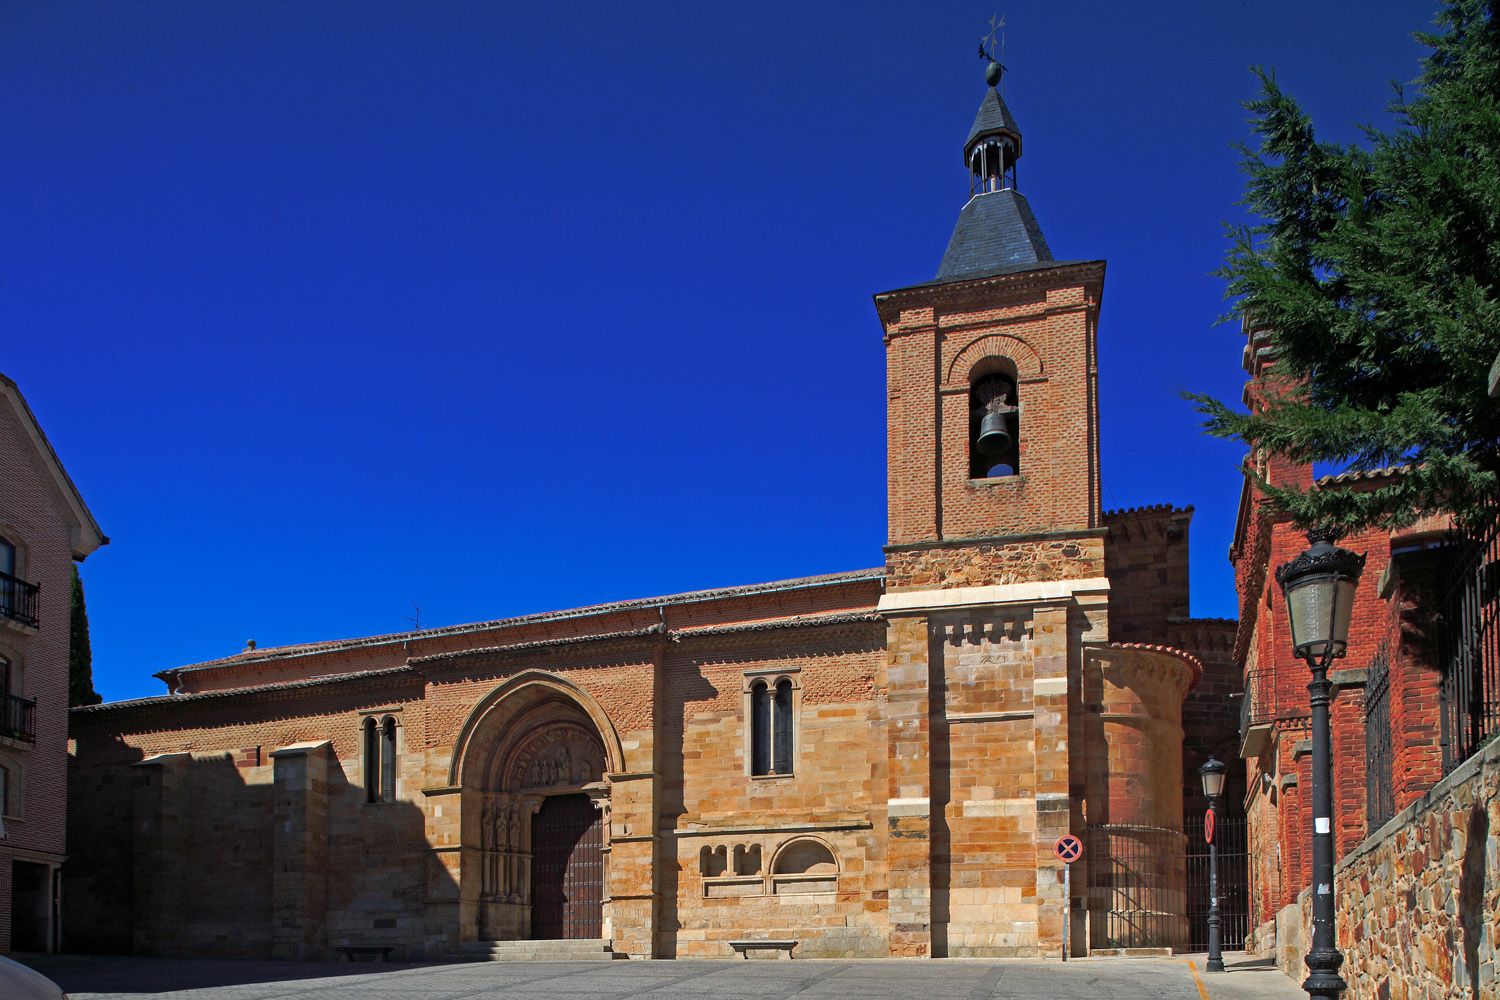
(535, 802)
(994, 420)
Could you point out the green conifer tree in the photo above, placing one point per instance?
(80, 653)
(1376, 271)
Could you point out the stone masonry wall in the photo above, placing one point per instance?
(1073, 556)
(738, 845)
(1418, 903)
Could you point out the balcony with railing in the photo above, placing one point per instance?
(1257, 712)
(18, 599)
(18, 718)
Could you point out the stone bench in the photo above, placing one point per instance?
(746, 947)
(365, 952)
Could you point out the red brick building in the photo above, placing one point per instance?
(870, 763)
(44, 526)
(1386, 716)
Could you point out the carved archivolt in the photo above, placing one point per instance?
(560, 753)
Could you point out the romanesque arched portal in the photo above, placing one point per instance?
(535, 829)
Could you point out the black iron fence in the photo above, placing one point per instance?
(1380, 789)
(18, 599)
(1136, 887)
(1469, 645)
(18, 718)
(1234, 884)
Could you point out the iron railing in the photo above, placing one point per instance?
(1380, 789)
(1136, 890)
(18, 718)
(18, 599)
(1469, 650)
(1258, 708)
(1234, 883)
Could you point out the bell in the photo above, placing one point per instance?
(994, 435)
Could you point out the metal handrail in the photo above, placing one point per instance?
(18, 718)
(18, 599)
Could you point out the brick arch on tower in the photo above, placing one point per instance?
(995, 345)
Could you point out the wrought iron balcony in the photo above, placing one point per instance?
(18, 599)
(1257, 712)
(18, 718)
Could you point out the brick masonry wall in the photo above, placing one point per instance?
(1394, 618)
(34, 519)
(1044, 323)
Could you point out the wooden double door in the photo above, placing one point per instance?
(567, 869)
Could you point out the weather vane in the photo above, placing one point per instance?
(992, 53)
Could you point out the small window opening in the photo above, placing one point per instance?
(994, 428)
(388, 760)
(772, 728)
(4, 791)
(372, 761)
(782, 737)
(760, 728)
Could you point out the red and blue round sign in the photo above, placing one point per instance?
(1069, 848)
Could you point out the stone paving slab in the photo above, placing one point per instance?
(1180, 978)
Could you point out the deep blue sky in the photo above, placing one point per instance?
(334, 307)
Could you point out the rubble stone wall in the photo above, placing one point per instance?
(1418, 903)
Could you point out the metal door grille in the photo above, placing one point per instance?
(1135, 887)
(1234, 884)
(567, 869)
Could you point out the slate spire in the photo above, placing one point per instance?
(996, 231)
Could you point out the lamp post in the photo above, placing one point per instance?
(1319, 588)
(1212, 773)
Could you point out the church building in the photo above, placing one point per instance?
(871, 763)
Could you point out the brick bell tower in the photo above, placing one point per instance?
(996, 583)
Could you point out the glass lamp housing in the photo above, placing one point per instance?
(1212, 773)
(1319, 588)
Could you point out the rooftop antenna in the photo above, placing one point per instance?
(994, 74)
(415, 619)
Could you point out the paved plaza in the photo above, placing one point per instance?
(115, 978)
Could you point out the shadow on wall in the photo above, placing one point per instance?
(239, 854)
(1471, 913)
(685, 684)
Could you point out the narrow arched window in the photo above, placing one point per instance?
(388, 760)
(782, 735)
(372, 761)
(760, 728)
(994, 427)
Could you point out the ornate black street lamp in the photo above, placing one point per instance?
(1212, 773)
(1319, 588)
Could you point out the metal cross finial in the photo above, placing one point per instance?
(992, 52)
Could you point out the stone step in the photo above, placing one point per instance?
(537, 951)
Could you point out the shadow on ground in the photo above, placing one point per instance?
(119, 974)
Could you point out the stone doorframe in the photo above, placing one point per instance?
(534, 736)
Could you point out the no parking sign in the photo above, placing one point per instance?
(1068, 849)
